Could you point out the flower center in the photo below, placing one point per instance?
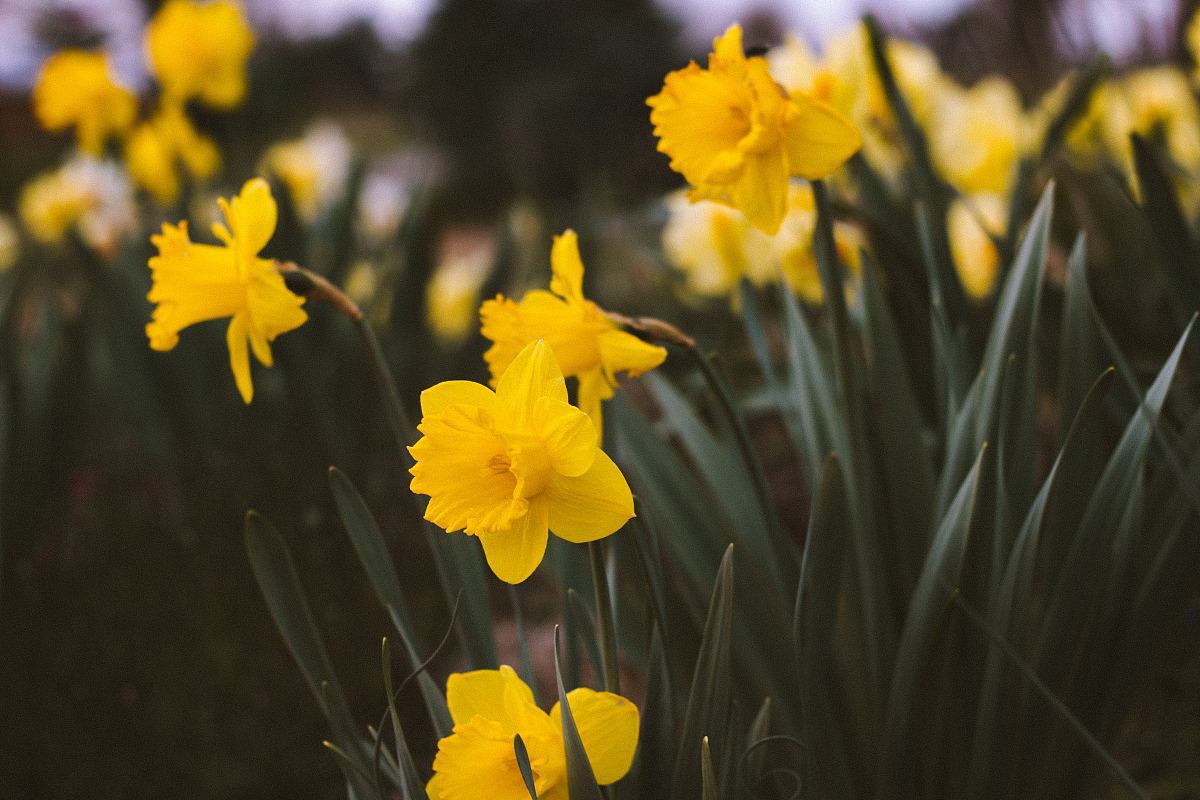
(528, 460)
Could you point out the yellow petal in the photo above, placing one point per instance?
(819, 139)
(515, 553)
(274, 309)
(591, 506)
(567, 267)
(699, 118)
(483, 692)
(533, 374)
(728, 52)
(478, 754)
(252, 216)
(569, 436)
(608, 726)
(437, 399)
(593, 390)
(760, 192)
(624, 352)
(237, 337)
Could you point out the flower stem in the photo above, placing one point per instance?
(604, 620)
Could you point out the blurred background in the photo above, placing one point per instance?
(137, 658)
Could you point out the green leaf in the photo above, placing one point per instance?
(376, 559)
(1078, 360)
(581, 781)
(406, 767)
(709, 698)
(656, 740)
(815, 626)
(271, 561)
(1173, 238)
(899, 775)
(523, 765)
(708, 779)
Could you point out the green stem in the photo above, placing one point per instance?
(400, 423)
(604, 620)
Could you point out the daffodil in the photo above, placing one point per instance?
(77, 88)
(491, 707)
(199, 51)
(737, 136)
(89, 196)
(978, 135)
(156, 149)
(588, 344)
(314, 168)
(970, 224)
(509, 466)
(198, 282)
(452, 294)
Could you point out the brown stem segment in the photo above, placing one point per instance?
(654, 330)
(309, 284)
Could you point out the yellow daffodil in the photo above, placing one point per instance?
(86, 195)
(511, 465)
(716, 247)
(198, 282)
(737, 136)
(1192, 39)
(157, 147)
(970, 224)
(491, 707)
(978, 135)
(589, 345)
(452, 294)
(199, 50)
(76, 88)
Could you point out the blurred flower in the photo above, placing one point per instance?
(314, 168)
(10, 242)
(361, 282)
(86, 194)
(452, 294)
(1161, 106)
(509, 466)
(76, 88)
(846, 78)
(978, 135)
(199, 51)
(736, 135)
(970, 224)
(589, 345)
(156, 148)
(1192, 39)
(198, 282)
(491, 707)
(381, 204)
(716, 247)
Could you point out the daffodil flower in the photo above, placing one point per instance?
(511, 465)
(490, 707)
(76, 88)
(198, 282)
(156, 148)
(737, 136)
(199, 50)
(589, 346)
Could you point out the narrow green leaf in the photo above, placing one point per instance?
(581, 781)
(708, 779)
(899, 775)
(656, 740)
(709, 697)
(1078, 360)
(526, 666)
(523, 765)
(604, 616)
(376, 559)
(1177, 251)
(409, 782)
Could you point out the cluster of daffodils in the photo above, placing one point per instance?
(977, 135)
(197, 52)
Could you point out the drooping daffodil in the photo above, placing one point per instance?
(76, 88)
(589, 346)
(199, 282)
(512, 465)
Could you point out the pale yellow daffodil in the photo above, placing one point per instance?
(76, 88)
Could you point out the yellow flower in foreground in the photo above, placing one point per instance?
(199, 50)
(156, 148)
(490, 707)
(589, 345)
(198, 282)
(509, 466)
(970, 224)
(76, 88)
(737, 136)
